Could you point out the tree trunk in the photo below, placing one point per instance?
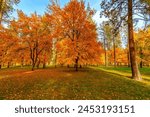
(134, 66)
(76, 63)
(38, 63)
(128, 56)
(33, 65)
(22, 61)
(3, 2)
(114, 44)
(141, 56)
(44, 63)
(1, 14)
(0, 17)
(8, 64)
(106, 60)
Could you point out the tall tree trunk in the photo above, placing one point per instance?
(134, 65)
(3, 2)
(141, 56)
(114, 44)
(1, 15)
(128, 56)
(106, 60)
(0, 18)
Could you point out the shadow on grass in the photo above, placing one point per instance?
(79, 70)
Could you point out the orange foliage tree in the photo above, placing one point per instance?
(143, 46)
(31, 39)
(33, 36)
(8, 44)
(79, 44)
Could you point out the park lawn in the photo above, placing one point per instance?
(126, 71)
(144, 70)
(66, 84)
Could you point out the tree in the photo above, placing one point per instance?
(143, 45)
(122, 10)
(79, 44)
(134, 65)
(8, 42)
(33, 35)
(105, 33)
(110, 41)
(6, 6)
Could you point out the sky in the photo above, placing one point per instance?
(40, 6)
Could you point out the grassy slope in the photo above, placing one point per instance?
(62, 83)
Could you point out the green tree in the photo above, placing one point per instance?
(121, 12)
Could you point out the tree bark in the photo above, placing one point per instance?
(106, 60)
(128, 56)
(141, 56)
(44, 63)
(8, 64)
(1, 13)
(38, 63)
(0, 17)
(3, 2)
(76, 63)
(33, 65)
(134, 65)
(114, 44)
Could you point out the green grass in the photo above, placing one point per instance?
(126, 71)
(64, 83)
(144, 71)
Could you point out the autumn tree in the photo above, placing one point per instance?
(34, 35)
(79, 37)
(6, 6)
(143, 45)
(8, 42)
(54, 19)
